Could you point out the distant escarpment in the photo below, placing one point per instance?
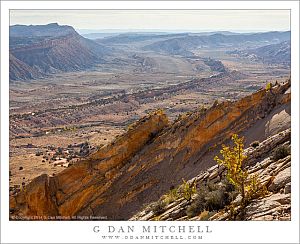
(152, 157)
(36, 51)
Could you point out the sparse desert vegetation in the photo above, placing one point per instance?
(139, 115)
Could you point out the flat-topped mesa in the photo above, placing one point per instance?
(75, 187)
(46, 49)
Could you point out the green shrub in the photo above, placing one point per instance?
(255, 188)
(212, 197)
(217, 199)
(268, 86)
(172, 196)
(281, 152)
(199, 203)
(249, 187)
(254, 144)
(187, 190)
(232, 159)
(158, 207)
(194, 209)
(229, 190)
(212, 187)
(227, 185)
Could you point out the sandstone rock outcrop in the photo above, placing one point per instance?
(152, 158)
(276, 174)
(82, 185)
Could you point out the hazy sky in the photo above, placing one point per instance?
(231, 20)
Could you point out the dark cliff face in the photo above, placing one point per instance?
(52, 48)
(149, 159)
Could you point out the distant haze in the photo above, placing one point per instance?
(88, 21)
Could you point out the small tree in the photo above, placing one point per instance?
(188, 190)
(233, 158)
(233, 161)
(268, 86)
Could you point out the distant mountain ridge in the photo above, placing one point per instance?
(46, 49)
(135, 37)
(39, 50)
(183, 45)
(274, 53)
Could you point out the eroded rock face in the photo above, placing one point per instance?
(281, 180)
(275, 175)
(37, 200)
(150, 159)
(81, 186)
(274, 207)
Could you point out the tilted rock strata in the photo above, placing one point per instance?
(274, 174)
(147, 161)
(82, 184)
(188, 147)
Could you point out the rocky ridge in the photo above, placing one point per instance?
(183, 44)
(274, 174)
(130, 172)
